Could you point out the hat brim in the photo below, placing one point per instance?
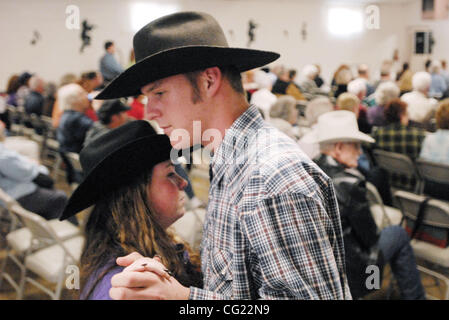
(312, 137)
(181, 60)
(117, 169)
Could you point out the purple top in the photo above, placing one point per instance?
(101, 291)
(376, 116)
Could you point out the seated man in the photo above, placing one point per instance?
(339, 139)
(112, 114)
(73, 125)
(28, 182)
(34, 102)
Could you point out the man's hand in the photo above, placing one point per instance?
(133, 285)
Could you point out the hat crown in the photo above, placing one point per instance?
(334, 125)
(108, 143)
(178, 30)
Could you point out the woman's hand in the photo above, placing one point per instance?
(145, 278)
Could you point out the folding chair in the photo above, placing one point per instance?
(431, 171)
(383, 215)
(393, 162)
(15, 120)
(20, 240)
(436, 215)
(50, 145)
(49, 263)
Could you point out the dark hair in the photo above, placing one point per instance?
(405, 67)
(428, 63)
(291, 74)
(104, 118)
(394, 109)
(13, 84)
(442, 115)
(108, 44)
(89, 75)
(231, 73)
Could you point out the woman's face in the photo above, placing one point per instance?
(166, 195)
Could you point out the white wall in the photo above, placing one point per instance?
(58, 50)
(439, 28)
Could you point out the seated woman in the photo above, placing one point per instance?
(137, 195)
(385, 92)
(398, 136)
(435, 148)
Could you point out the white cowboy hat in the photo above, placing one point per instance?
(336, 126)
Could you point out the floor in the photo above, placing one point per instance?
(200, 184)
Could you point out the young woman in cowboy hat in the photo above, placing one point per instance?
(137, 195)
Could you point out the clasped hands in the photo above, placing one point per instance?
(145, 279)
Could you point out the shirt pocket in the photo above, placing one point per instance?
(222, 273)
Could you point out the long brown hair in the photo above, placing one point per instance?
(123, 222)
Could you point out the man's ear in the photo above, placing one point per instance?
(212, 78)
(338, 148)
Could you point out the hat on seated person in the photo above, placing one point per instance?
(114, 159)
(180, 43)
(337, 126)
(111, 107)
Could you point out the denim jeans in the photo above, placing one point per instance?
(394, 243)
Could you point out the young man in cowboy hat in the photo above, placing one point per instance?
(272, 229)
(339, 138)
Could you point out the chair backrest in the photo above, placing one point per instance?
(7, 202)
(377, 205)
(432, 171)
(394, 162)
(372, 194)
(43, 233)
(437, 211)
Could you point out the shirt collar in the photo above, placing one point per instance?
(236, 140)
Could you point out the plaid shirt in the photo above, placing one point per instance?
(398, 138)
(272, 229)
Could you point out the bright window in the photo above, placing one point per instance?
(344, 22)
(143, 13)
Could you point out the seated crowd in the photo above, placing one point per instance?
(337, 124)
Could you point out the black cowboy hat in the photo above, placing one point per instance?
(111, 107)
(180, 43)
(115, 159)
